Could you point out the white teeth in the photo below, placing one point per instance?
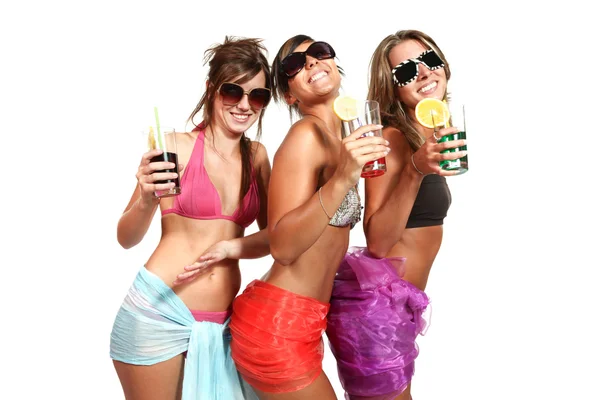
(241, 117)
(317, 76)
(431, 86)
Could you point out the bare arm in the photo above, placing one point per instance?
(257, 244)
(390, 197)
(296, 216)
(136, 218)
(263, 175)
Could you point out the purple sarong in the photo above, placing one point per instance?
(373, 323)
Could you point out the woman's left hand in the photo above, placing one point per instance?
(217, 252)
(426, 159)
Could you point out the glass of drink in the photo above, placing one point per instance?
(165, 139)
(367, 113)
(457, 119)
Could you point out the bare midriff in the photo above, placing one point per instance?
(419, 246)
(182, 242)
(312, 274)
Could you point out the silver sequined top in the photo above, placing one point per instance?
(349, 211)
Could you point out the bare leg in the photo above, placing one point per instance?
(162, 381)
(404, 395)
(320, 389)
(418, 277)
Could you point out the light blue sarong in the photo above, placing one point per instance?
(154, 325)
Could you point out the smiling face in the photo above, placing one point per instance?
(238, 118)
(317, 79)
(429, 84)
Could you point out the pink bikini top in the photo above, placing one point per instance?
(199, 198)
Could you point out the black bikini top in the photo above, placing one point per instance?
(432, 203)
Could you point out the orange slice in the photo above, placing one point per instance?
(432, 113)
(346, 108)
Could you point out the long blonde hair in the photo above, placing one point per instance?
(382, 89)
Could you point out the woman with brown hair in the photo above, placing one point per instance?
(171, 338)
(278, 321)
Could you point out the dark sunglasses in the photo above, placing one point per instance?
(232, 94)
(407, 71)
(294, 62)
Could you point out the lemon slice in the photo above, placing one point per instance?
(432, 113)
(346, 108)
(151, 140)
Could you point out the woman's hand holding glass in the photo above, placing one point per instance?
(427, 159)
(356, 151)
(147, 176)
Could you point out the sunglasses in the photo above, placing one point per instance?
(407, 71)
(294, 62)
(232, 94)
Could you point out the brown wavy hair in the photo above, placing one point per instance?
(241, 58)
(382, 87)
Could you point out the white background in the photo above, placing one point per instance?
(514, 286)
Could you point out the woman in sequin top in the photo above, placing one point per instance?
(278, 322)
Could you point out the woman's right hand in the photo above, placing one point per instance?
(149, 173)
(427, 158)
(356, 151)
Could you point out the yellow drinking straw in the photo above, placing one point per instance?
(160, 143)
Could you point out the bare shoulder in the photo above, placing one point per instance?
(400, 150)
(305, 138)
(259, 152)
(398, 142)
(396, 138)
(307, 130)
(185, 146)
(185, 139)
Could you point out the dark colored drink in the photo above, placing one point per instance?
(168, 157)
(461, 164)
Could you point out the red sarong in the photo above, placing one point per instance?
(277, 340)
